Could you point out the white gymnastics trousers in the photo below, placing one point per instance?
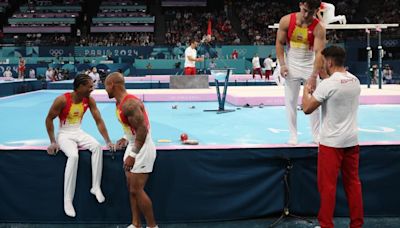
(69, 141)
(300, 67)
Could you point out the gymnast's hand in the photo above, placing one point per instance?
(121, 143)
(284, 71)
(128, 163)
(111, 146)
(53, 148)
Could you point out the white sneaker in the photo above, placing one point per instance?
(69, 208)
(132, 226)
(99, 195)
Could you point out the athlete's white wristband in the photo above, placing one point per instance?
(132, 154)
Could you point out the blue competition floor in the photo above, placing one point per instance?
(22, 122)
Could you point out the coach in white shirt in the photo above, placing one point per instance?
(7, 74)
(95, 76)
(256, 65)
(268, 62)
(191, 58)
(338, 95)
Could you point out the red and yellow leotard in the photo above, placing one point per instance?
(72, 114)
(301, 37)
(300, 53)
(129, 130)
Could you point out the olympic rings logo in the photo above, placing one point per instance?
(56, 52)
(390, 43)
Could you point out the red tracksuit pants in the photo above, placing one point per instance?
(330, 162)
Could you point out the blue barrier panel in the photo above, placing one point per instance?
(248, 51)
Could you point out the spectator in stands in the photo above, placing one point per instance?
(66, 75)
(7, 74)
(235, 54)
(256, 65)
(21, 68)
(191, 58)
(253, 21)
(50, 74)
(268, 62)
(95, 76)
(70, 108)
(32, 73)
(236, 41)
(59, 74)
(387, 74)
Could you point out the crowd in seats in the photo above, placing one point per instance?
(181, 25)
(385, 12)
(117, 39)
(255, 16)
(34, 3)
(119, 15)
(37, 39)
(47, 15)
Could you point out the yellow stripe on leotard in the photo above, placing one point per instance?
(75, 114)
(299, 38)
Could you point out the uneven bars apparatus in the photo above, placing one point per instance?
(378, 27)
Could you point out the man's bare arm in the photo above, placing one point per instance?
(54, 111)
(133, 112)
(309, 102)
(319, 45)
(281, 37)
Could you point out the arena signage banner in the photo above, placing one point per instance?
(117, 51)
(56, 51)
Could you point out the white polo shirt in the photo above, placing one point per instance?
(339, 97)
(268, 63)
(96, 79)
(190, 52)
(256, 62)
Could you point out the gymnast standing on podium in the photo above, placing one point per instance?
(305, 38)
